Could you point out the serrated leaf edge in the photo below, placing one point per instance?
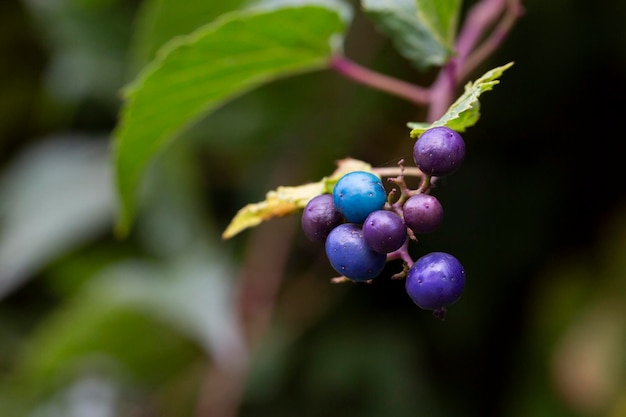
(486, 82)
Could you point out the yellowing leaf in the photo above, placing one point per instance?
(289, 200)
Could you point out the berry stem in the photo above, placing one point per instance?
(395, 171)
(440, 313)
(402, 253)
(425, 185)
(405, 191)
(340, 280)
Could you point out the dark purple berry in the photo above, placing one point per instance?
(439, 151)
(435, 281)
(422, 213)
(320, 217)
(351, 256)
(357, 194)
(384, 231)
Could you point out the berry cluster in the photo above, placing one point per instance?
(363, 227)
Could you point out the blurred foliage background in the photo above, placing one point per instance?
(91, 326)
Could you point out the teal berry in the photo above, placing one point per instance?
(357, 194)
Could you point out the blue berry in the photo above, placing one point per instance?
(320, 217)
(357, 194)
(422, 213)
(439, 151)
(350, 255)
(384, 231)
(435, 281)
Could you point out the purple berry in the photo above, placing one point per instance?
(384, 231)
(422, 213)
(439, 151)
(357, 194)
(351, 256)
(320, 217)
(435, 281)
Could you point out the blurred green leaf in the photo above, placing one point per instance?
(413, 38)
(88, 42)
(53, 198)
(89, 336)
(192, 293)
(175, 215)
(137, 321)
(441, 17)
(85, 395)
(195, 74)
(465, 111)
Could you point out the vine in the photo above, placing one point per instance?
(282, 38)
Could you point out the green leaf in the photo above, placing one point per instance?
(159, 21)
(288, 200)
(411, 35)
(441, 17)
(465, 111)
(193, 75)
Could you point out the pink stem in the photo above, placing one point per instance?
(513, 11)
(440, 94)
(379, 81)
(480, 17)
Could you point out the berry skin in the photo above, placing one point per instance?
(320, 217)
(357, 194)
(439, 151)
(422, 213)
(351, 256)
(384, 231)
(435, 281)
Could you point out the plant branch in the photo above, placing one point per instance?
(480, 18)
(442, 91)
(258, 286)
(378, 81)
(512, 12)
